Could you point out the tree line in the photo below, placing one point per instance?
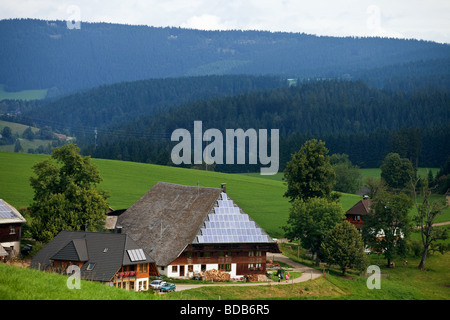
(317, 221)
(364, 123)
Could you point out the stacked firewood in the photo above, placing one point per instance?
(255, 278)
(215, 275)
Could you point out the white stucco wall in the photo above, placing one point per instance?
(196, 269)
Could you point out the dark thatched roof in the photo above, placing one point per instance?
(169, 217)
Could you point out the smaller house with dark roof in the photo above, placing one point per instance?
(10, 230)
(112, 258)
(355, 215)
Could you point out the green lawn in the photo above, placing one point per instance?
(262, 198)
(22, 95)
(17, 283)
(404, 282)
(259, 196)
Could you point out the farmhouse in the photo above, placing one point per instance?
(188, 230)
(355, 215)
(111, 258)
(10, 230)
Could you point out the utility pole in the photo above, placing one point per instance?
(95, 146)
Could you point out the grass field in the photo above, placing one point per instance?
(22, 95)
(259, 196)
(404, 282)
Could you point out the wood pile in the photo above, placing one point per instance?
(255, 277)
(215, 275)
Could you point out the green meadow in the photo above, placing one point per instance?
(259, 196)
(22, 95)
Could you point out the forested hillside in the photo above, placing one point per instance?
(351, 117)
(103, 106)
(39, 54)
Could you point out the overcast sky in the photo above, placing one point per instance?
(419, 19)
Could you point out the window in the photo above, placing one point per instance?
(131, 285)
(12, 229)
(188, 255)
(174, 269)
(203, 267)
(90, 267)
(226, 267)
(251, 253)
(144, 267)
(190, 268)
(207, 254)
(258, 253)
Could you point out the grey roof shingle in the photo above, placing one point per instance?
(169, 217)
(108, 251)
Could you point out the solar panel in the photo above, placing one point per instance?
(136, 255)
(5, 211)
(229, 225)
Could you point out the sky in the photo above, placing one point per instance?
(417, 19)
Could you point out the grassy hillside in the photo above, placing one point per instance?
(18, 283)
(17, 129)
(260, 197)
(22, 95)
(405, 282)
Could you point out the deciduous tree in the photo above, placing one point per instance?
(396, 171)
(309, 174)
(343, 246)
(427, 211)
(387, 227)
(310, 220)
(65, 194)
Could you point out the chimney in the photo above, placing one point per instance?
(223, 186)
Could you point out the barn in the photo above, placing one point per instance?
(188, 229)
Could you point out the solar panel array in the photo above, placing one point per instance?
(228, 225)
(5, 211)
(136, 255)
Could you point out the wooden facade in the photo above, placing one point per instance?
(135, 277)
(355, 215)
(239, 259)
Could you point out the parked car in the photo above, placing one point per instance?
(26, 249)
(156, 284)
(168, 286)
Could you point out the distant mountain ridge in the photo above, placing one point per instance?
(39, 54)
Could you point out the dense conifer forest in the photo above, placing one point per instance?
(39, 54)
(121, 90)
